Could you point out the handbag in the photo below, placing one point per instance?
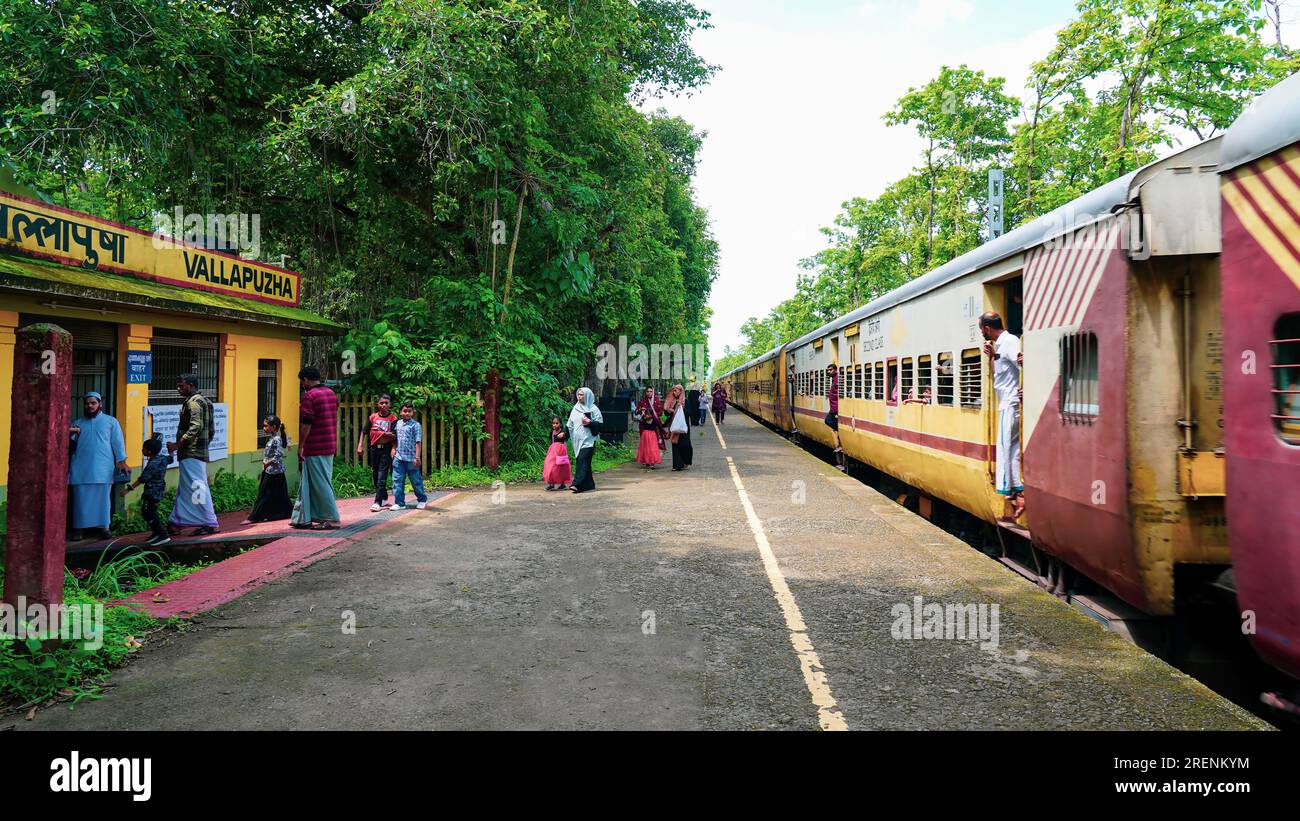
(679, 422)
(562, 458)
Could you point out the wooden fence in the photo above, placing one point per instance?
(444, 445)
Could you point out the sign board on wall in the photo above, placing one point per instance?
(163, 420)
(139, 367)
(74, 238)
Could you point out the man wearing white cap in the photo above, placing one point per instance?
(98, 447)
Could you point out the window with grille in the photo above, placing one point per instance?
(879, 391)
(972, 363)
(924, 380)
(843, 387)
(176, 353)
(858, 388)
(268, 372)
(891, 381)
(905, 390)
(1286, 378)
(945, 379)
(1080, 400)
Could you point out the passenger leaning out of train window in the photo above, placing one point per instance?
(913, 399)
(1003, 350)
(832, 419)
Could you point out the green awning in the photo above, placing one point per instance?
(37, 277)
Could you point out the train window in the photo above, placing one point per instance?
(1286, 378)
(857, 382)
(945, 379)
(880, 381)
(905, 389)
(843, 387)
(924, 381)
(1080, 398)
(972, 395)
(891, 381)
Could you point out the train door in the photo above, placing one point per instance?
(1006, 296)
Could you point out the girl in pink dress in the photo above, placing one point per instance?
(648, 413)
(556, 470)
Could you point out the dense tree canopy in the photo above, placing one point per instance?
(466, 185)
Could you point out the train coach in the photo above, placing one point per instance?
(1133, 471)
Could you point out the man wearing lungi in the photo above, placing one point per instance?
(99, 448)
(318, 416)
(1003, 349)
(193, 506)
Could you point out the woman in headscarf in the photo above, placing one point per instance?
(648, 412)
(675, 411)
(584, 424)
(719, 402)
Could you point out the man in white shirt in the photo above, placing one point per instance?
(1003, 349)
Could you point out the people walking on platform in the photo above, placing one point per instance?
(153, 476)
(584, 425)
(1003, 350)
(693, 403)
(649, 411)
(679, 431)
(273, 502)
(719, 402)
(318, 414)
(98, 451)
(706, 402)
(832, 419)
(408, 438)
(193, 507)
(378, 453)
(556, 470)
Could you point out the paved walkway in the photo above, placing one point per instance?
(757, 590)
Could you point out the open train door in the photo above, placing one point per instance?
(1006, 296)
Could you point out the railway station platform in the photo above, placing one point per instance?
(761, 589)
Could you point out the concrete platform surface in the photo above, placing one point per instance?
(761, 592)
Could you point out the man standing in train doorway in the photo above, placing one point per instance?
(832, 419)
(1003, 349)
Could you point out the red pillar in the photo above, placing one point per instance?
(492, 420)
(38, 465)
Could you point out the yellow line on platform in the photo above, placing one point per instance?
(814, 675)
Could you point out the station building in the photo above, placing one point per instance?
(142, 310)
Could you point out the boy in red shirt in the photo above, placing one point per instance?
(381, 432)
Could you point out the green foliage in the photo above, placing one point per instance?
(381, 143)
(32, 670)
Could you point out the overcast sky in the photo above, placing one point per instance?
(794, 118)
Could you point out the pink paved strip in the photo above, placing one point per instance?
(227, 580)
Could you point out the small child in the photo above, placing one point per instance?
(379, 429)
(705, 402)
(154, 479)
(556, 470)
(273, 500)
(406, 460)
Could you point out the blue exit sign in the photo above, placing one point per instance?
(139, 367)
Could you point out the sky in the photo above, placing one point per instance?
(794, 118)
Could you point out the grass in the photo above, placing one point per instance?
(33, 670)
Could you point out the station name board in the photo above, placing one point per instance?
(73, 238)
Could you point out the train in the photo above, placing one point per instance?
(1159, 321)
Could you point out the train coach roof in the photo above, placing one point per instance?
(1271, 122)
(1077, 213)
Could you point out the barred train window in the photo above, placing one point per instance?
(905, 391)
(1080, 396)
(880, 380)
(971, 387)
(857, 382)
(1286, 378)
(891, 381)
(945, 379)
(924, 382)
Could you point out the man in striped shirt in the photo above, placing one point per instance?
(318, 415)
